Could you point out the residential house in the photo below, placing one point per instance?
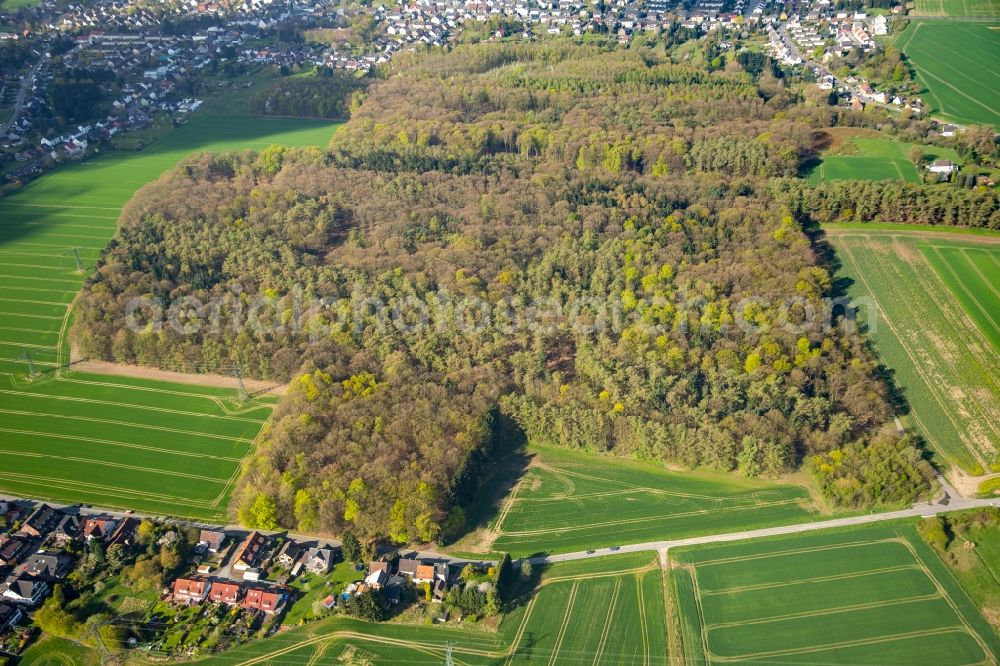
(48, 563)
(227, 593)
(382, 565)
(124, 534)
(376, 579)
(12, 549)
(319, 560)
(191, 590)
(67, 530)
(263, 599)
(99, 528)
(942, 166)
(9, 615)
(948, 130)
(408, 567)
(424, 574)
(394, 589)
(290, 553)
(42, 520)
(25, 589)
(251, 552)
(211, 540)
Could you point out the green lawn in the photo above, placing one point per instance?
(605, 611)
(568, 501)
(931, 303)
(134, 443)
(52, 651)
(867, 158)
(969, 8)
(959, 65)
(862, 595)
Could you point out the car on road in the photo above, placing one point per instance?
(590, 552)
(614, 548)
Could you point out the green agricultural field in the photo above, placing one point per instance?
(864, 595)
(568, 501)
(964, 8)
(869, 158)
(959, 65)
(604, 611)
(932, 304)
(132, 443)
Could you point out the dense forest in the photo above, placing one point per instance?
(328, 94)
(592, 243)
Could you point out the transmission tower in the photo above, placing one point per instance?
(244, 394)
(26, 357)
(448, 659)
(75, 251)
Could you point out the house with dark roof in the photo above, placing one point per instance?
(408, 567)
(290, 553)
(42, 520)
(226, 593)
(9, 615)
(67, 530)
(251, 552)
(12, 549)
(24, 589)
(124, 534)
(48, 564)
(191, 590)
(264, 599)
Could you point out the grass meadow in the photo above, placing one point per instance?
(568, 501)
(864, 157)
(959, 65)
(865, 595)
(932, 304)
(603, 611)
(111, 441)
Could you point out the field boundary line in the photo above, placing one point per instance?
(968, 257)
(645, 519)
(964, 288)
(804, 581)
(145, 426)
(565, 623)
(918, 366)
(109, 463)
(793, 551)
(607, 622)
(828, 611)
(93, 401)
(841, 644)
(69, 484)
(696, 587)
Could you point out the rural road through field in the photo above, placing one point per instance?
(951, 500)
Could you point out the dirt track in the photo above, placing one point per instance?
(221, 381)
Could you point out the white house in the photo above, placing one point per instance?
(943, 166)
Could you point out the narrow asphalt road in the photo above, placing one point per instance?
(22, 95)
(949, 501)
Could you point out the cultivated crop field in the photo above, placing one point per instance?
(970, 8)
(959, 64)
(568, 501)
(125, 442)
(602, 611)
(869, 595)
(930, 300)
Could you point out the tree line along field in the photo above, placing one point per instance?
(959, 65)
(868, 158)
(864, 595)
(602, 611)
(932, 306)
(968, 8)
(568, 501)
(125, 442)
